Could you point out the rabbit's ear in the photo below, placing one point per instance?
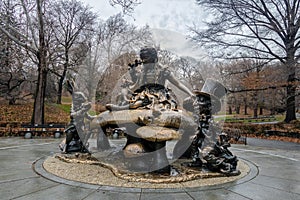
(70, 86)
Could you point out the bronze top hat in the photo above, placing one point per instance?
(213, 89)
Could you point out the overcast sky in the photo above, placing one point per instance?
(169, 15)
(173, 15)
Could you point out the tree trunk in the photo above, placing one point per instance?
(272, 111)
(291, 89)
(12, 101)
(290, 114)
(230, 110)
(60, 88)
(255, 111)
(39, 99)
(59, 92)
(245, 110)
(40, 93)
(63, 76)
(261, 112)
(237, 109)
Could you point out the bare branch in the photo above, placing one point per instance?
(271, 24)
(16, 40)
(30, 25)
(127, 5)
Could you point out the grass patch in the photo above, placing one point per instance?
(66, 99)
(92, 112)
(65, 107)
(279, 118)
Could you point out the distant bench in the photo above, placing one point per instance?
(30, 130)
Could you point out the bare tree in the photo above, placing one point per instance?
(12, 75)
(116, 37)
(89, 71)
(246, 28)
(111, 78)
(187, 69)
(70, 19)
(114, 45)
(11, 80)
(254, 85)
(233, 74)
(32, 40)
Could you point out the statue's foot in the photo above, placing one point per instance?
(230, 173)
(64, 149)
(85, 150)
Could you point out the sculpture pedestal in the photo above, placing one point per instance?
(148, 153)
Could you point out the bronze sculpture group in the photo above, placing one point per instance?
(151, 117)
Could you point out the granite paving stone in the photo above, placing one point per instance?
(110, 195)
(59, 191)
(16, 188)
(218, 194)
(260, 192)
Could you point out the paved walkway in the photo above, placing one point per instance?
(275, 174)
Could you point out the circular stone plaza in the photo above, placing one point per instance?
(30, 170)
